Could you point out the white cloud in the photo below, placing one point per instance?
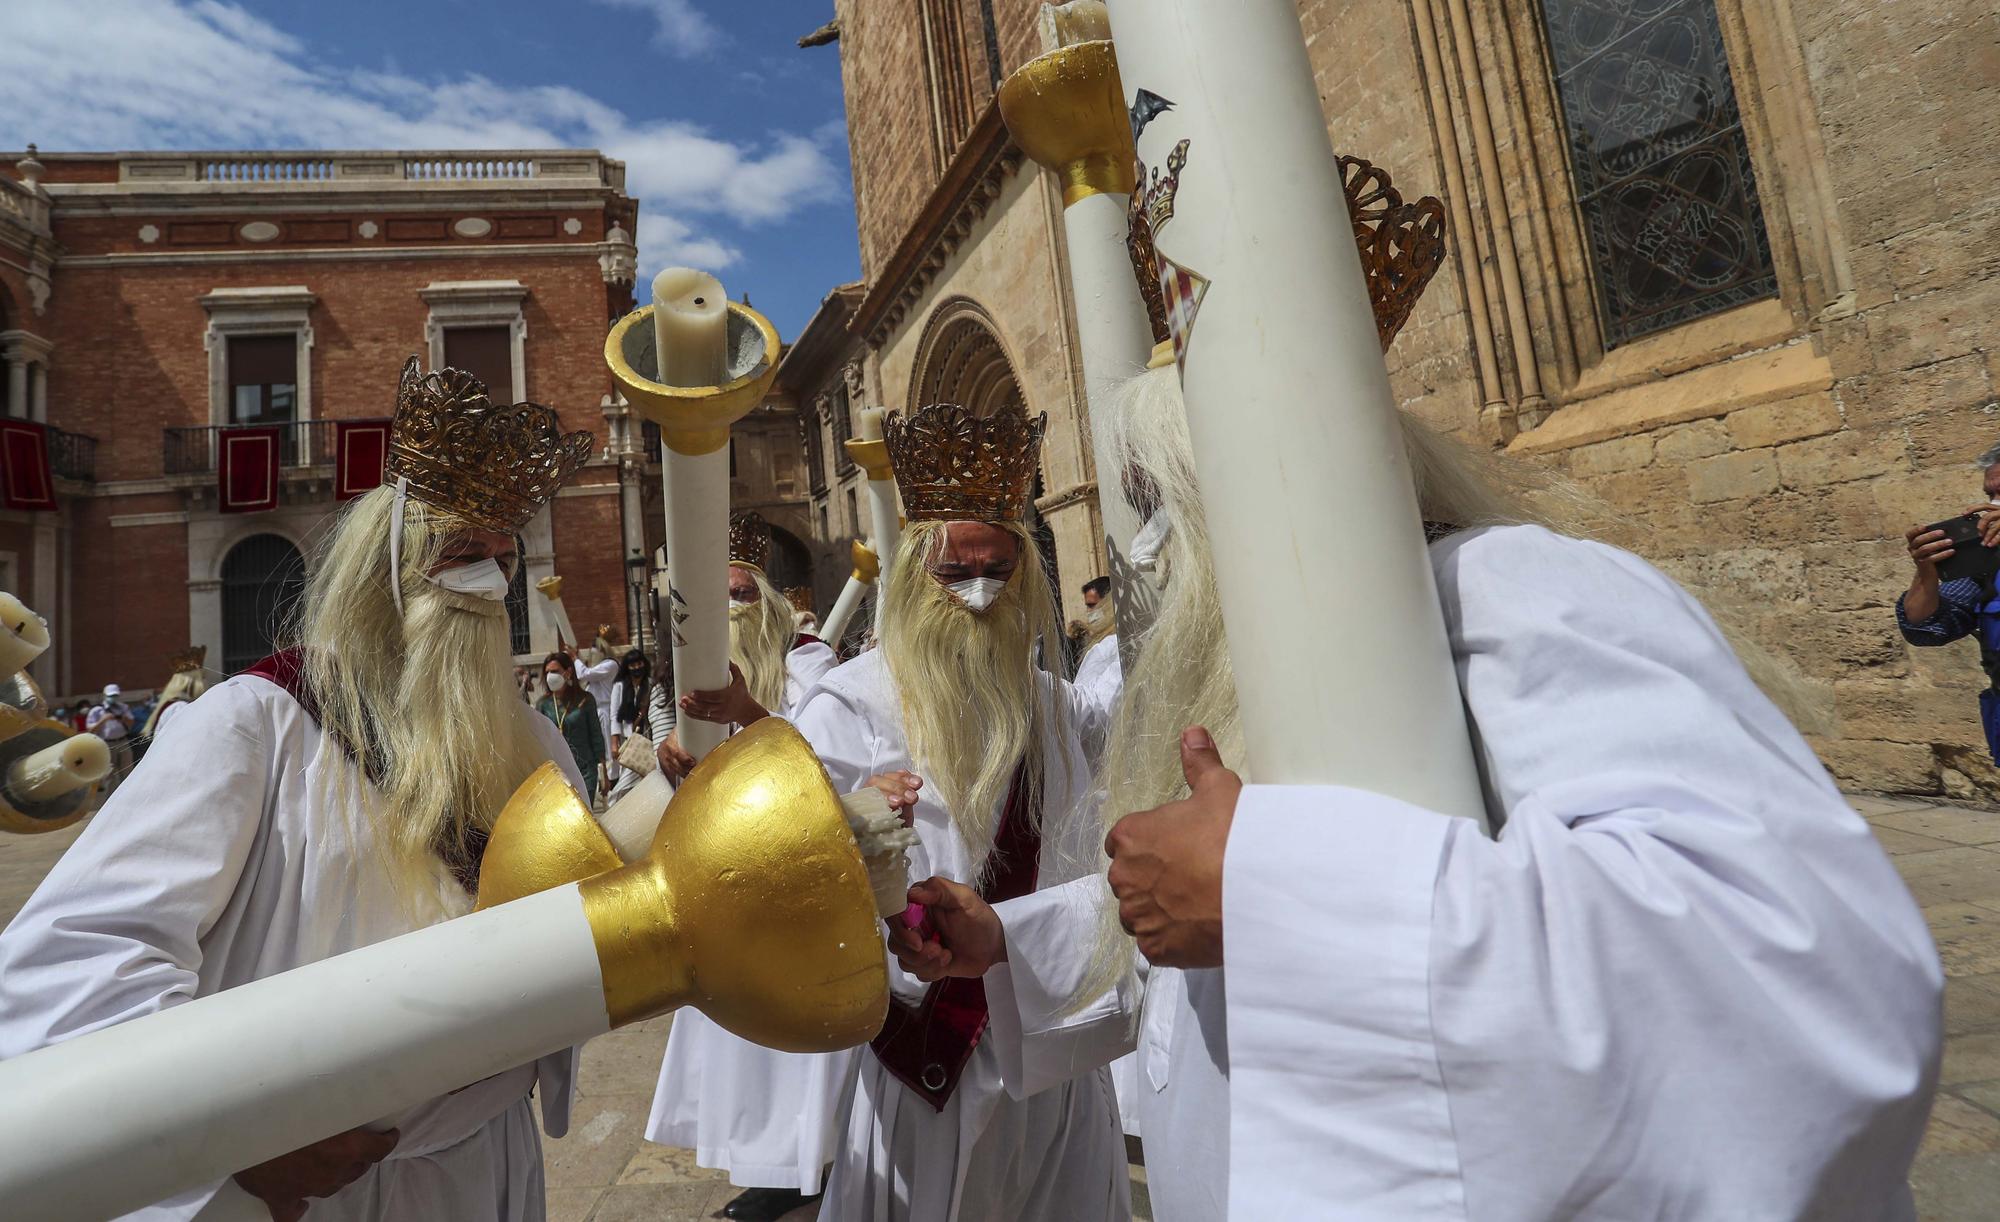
(150, 74)
(681, 28)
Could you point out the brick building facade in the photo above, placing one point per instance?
(1731, 264)
(151, 301)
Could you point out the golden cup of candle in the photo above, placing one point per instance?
(47, 772)
(694, 419)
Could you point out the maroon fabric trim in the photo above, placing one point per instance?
(287, 669)
(926, 1046)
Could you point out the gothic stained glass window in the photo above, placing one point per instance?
(1661, 165)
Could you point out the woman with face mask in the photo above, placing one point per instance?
(574, 712)
(631, 714)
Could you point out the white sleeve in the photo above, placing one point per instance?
(114, 930)
(804, 668)
(1041, 1034)
(840, 736)
(1685, 961)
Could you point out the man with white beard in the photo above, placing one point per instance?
(1683, 981)
(337, 794)
(954, 1118)
(768, 1118)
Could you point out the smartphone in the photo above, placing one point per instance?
(1969, 557)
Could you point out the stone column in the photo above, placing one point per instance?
(38, 392)
(17, 385)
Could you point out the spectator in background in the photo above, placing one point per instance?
(631, 714)
(574, 712)
(598, 670)
(661, 714)
(113, 722)
(1934, 611)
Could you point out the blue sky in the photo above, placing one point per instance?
(733, 137)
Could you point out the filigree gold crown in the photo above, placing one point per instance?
(952, 466)
(493, 465)
(749, 540)
(1152, 206)
(191, 658)
(1402, 245)
(801, 599)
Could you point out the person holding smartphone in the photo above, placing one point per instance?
(1939, 608)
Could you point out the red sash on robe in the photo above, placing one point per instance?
(926, 1046)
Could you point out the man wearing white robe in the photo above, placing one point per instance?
(769, 1119)
(335, 796)
(1683, 981)
(988, 752)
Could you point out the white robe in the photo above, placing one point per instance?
(231, 854)
(601, 681)
(1026, 1137)
(770, 1119)
(1684, 982)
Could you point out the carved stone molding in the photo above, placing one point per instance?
(962, 197)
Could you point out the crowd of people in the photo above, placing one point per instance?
(1681, 981)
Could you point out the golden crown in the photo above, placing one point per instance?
(1151, 206)
(191, 658)
(749, 540)
(953, 466)
(493, 465)
(801, 599)
(1402, 245)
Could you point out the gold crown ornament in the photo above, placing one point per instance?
(801, 599)
(1401, 244)
(191, 658)
(749, 540)
(492, 465)
(953, 466)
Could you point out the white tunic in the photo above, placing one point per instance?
(770, 1119)
(231, 854)
(1684, 982)
(1031, 1134)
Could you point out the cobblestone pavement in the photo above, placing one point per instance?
(1950, 856)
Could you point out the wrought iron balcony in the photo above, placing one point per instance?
(192, 451)
(72, 455)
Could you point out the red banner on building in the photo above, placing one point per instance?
(360, 449)
(247, 469)
(25, 482)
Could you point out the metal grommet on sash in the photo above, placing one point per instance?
(934, 1076)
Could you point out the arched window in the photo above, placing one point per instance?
(1661, 166)
(262, 579)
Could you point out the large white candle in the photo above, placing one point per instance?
(870, 424)
(23, 635)
(1065, 109)
(691, 327)
(56, 770)
(691, 332)
(1335, 633)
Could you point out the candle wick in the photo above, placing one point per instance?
(699, 301)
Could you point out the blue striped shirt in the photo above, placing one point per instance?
(1957, 614)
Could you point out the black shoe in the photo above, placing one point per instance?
(765, 1204)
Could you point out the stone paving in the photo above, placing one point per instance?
(604, 1171)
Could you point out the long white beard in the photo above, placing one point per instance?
(760, 638)
(969, 691)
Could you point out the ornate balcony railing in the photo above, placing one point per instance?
(72, 455)
(192, 451)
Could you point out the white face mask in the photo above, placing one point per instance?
(480, 579)
(1095, 615)
(556, 680)
(977, 593)
(1151, 540)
